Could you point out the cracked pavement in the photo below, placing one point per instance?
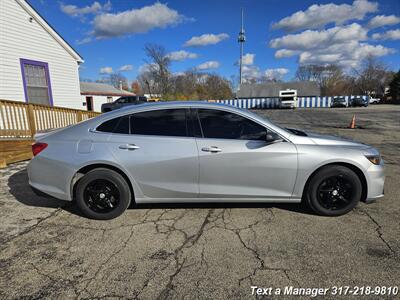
(209, 251)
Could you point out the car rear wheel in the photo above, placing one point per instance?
(333, 191)
(102, 194)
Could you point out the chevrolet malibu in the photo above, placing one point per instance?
(200, 152)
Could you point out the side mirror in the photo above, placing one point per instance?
(272, 137)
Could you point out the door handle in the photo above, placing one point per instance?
(129, 147)
(212, 149)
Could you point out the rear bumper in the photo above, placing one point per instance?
(287, 105)
(50, 177)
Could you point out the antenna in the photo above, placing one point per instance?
(241, 40)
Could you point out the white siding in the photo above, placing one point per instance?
(97, 101)
(20, 38)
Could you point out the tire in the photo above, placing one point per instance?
(333, 191)
(102, 194)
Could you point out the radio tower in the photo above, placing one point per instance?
(241, 40)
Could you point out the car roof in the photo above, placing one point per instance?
(171, 104)
(186, 104)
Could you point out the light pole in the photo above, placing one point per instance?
(241, 40)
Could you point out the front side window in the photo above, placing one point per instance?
(116, 125)
(225, 125)
(36, 82)
(166, 122)
(122, 100)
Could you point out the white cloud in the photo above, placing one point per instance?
(343, 45)
(106, 70)
(208, 65)
(316, 16)
(206, 39)
(85, 40)
(248, 59)
(388, 35)
(251, 72)
(311, 39)
(181, 55)
(275, 74)
(125, 68)
(285, 53)
(379, 21)
(135, 21)
(75, 11)
(346, 55)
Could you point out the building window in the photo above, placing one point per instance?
(36, 81)
(109, 99)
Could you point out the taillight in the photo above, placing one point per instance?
(38, 147)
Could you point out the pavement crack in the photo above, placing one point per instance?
(90, 280)
(189, 242)
(30, 228)
(379, 231)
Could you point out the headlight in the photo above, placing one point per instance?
(375, 159)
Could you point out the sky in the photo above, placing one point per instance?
(280, 34)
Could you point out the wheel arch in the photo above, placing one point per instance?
(352, 167)
(85, 169)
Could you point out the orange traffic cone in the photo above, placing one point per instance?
(353, 122)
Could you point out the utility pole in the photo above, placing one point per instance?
(241, 40)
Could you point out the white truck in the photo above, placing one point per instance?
(288, 98)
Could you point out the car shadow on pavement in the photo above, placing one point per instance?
(23, 193)
(293, 207)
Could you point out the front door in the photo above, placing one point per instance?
(240, 158)
(89, 103)
(159, 154)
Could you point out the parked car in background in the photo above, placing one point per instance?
(339, 102)
(374, 100)
(358, 101)
(123, 101)
(200, 152)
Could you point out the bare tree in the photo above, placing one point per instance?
(373, 76)
(330, 78)
(136, 88)
(157, 72)
(119, 81)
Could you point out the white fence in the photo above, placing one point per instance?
(265, 103)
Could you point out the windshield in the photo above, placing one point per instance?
(339, 100)
(287, 99)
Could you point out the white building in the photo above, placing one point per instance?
(36, 64)
(94, 94)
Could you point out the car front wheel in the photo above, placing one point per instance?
(333, 191)
(102, 194)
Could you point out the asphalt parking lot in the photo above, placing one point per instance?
(47, 250)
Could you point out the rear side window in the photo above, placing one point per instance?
(166, 122)
(225, 125)
(116, 125)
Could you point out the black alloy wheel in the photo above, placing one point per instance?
(103, 194)
(335, 193)
(333, 190)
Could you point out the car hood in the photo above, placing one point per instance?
(322, 139)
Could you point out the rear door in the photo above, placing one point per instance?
(159, 154)
(240, 158)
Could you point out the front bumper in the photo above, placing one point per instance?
(376, 182)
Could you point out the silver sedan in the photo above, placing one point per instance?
(200, 152)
